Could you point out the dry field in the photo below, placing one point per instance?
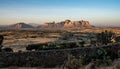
(19, 39)
(96, 30)
(20, 44)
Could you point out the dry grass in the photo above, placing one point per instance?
(20, 44)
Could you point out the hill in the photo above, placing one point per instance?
(19, 26)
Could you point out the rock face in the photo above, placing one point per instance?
(19, 26)
(67, 24)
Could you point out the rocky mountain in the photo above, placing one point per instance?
(34, 24)
(19, 26)
(67, 24)
(62, 24)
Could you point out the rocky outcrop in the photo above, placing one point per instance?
(67, 24)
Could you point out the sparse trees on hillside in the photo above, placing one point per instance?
(105, 37)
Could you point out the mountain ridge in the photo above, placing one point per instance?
(67, 24)
(62, 24)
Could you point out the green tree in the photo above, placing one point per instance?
(82, 43)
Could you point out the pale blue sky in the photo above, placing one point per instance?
(97, 12)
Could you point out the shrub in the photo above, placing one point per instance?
(116, 66)
(73, 63)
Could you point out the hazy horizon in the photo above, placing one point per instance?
(97, 12)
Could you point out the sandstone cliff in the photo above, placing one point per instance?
(67, 24)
